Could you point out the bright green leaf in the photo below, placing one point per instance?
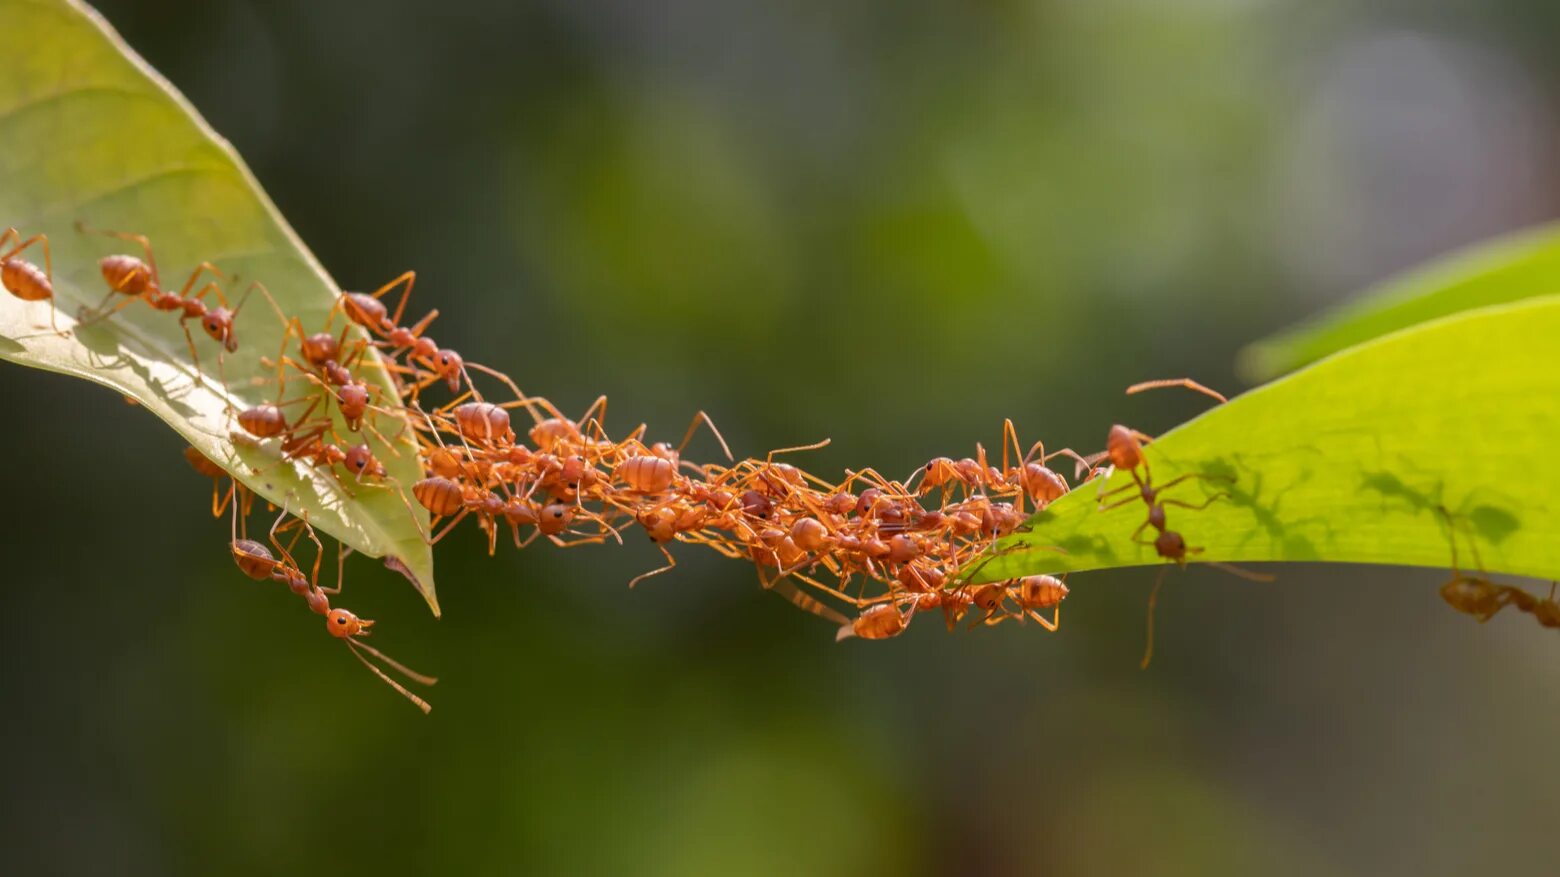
(89, 132)
(1348, 461)
(1504, 270)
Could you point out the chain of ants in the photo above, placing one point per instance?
(883, 549)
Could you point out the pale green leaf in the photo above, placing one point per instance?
(1506, 269)
(1348, 461)
(89, 132)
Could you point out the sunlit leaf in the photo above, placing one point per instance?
(89, 133)
(1506, 269)
(1350, 459)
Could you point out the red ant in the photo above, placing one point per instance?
(369, 311)
(881, 621)
(132, 276)
(257, 562)
(22, 278)
(1032, 594)
(1483, 599)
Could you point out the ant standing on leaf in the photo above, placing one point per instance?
(22, 278)
(138, 278)
(1124, 449)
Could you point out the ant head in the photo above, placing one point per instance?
(555, 518)
(319, 348)
(361, 461)
(867, 500)
(449, 364)
(353, 395)
(343, 624)
(218, 324)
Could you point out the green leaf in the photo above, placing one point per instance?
(1506, 269)
(1348, 460)
(88, 132)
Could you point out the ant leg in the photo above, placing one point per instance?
(1200, 476)
(1236, 571)
(1103, 495)
(1197, 507)
(812, 447)
(671, 562)
(807, 603)
(395, 665)
(102, 311)
(1010, 437)
(1188, 383)
(694, 425)
(218, 507)
(319, 554)
(189, 342)
(1153, 601)
(341, 569)
(410, 279)
(416, 701)
(448, 527)
(1054, 624)
(1078, 459)
(200, 269)
(146, 245)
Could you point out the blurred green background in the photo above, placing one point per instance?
(890, 224)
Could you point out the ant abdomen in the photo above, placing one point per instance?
(126, 274)
(26, 281)
(263, 421)
(440, 496)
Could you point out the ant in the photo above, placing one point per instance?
(1483, 599)
(138, 278)
(22, 278)
(257, 562)
(881, 621)
(1032, 594)
(368, 310)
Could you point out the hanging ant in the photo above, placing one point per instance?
(22, 278)
(1483, 599)
(258, 562)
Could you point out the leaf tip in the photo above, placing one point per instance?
(426, 590)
